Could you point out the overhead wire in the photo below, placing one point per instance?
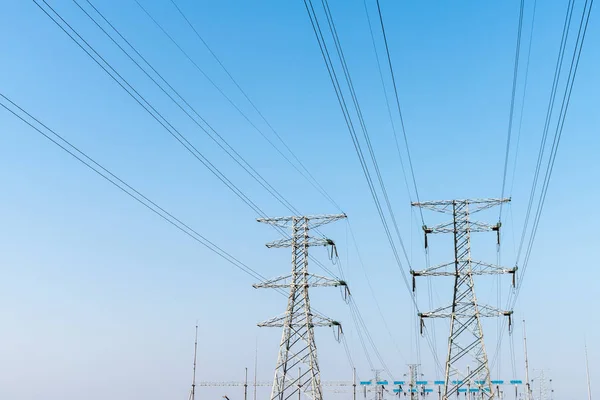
(309, 176)
(583, 25)
(141, 100)
(387, 101)
(516, 157)
(346, 113)
(352, 130)
(136, 195)
(123, 186)
(395, 86)
(89, 50)
(512, 102)
(577, 50)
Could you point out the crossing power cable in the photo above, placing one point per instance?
(229, 150)
(387, 100)
(126, 188)
(348, 120)
(512, 102)
(514, 169)
(389, 59)
(309, 176)
(156, 115)
(545, 132)
(574, 65)
(583, 25)
(107, 67)
(352, 130)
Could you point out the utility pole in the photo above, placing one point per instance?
(297, 346)
(587, 369)
(193, 391)
(465, 342)
(246, 385)
(353, 383)
(255, 365)
(527, 385)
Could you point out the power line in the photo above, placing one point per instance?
(109, 176)
(387, 50)
(512, 102)
(387, 101)
(523, 97)
(312, 179)
(583, 25)
(107, 67)
(348, 119)
(221, 142)
(126, 188)
(352, 130)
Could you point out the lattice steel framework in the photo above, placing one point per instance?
(465, 341)
(297, 351)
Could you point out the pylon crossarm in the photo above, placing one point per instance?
(448, 227)
(298, 320)
(463, 309)
(314, 220)
(446, 206)
(477, 268)
(312, 281)
(311, 242)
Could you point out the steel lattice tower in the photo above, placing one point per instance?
(297, 368)
(466, 335)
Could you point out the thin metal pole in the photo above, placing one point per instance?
(354, 384)
(587, 367)
(193, 394)
(299, 384)
(527, 386)
(246, 385)
(255, 365)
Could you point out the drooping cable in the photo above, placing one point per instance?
(410, 163)
(309, 176)
(512, 103)
(126, 188)
(141, 100)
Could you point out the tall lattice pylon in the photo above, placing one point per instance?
(467, 361)
(297, 368)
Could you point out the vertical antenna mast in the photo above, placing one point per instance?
(193, 391)
(527, 383)
(587, 368)
(255, 366)
(246, 385)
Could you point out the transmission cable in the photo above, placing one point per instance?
(165, 123)
(512, 102)
(119, 183)
(583, 25)
(410, 163)
(312, 179)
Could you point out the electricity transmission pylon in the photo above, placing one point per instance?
(465, 342)
(297, 351)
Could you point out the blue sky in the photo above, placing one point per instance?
(100, 295)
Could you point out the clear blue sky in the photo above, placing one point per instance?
(99, 297)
